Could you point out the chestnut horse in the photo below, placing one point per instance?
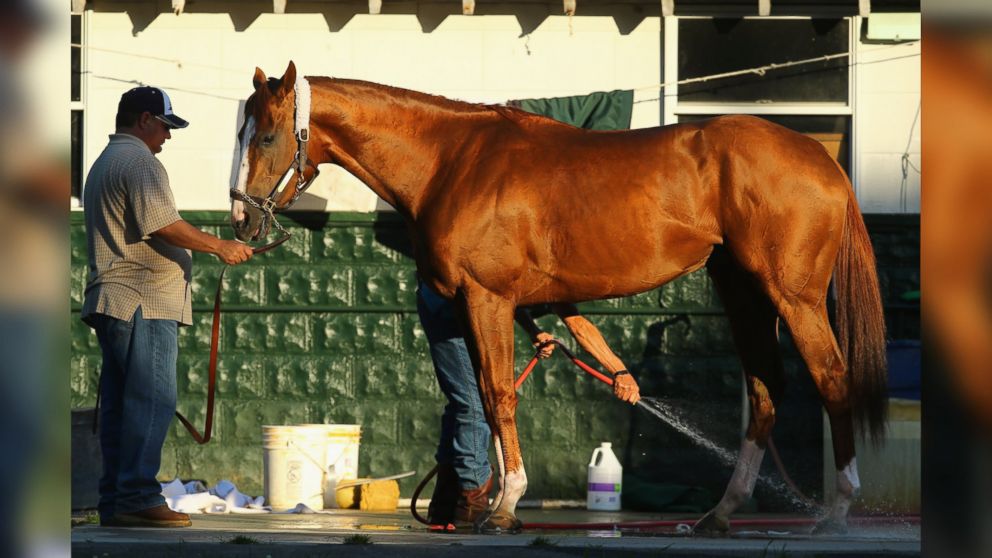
(506, 208)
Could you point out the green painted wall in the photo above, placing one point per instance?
(324, 329)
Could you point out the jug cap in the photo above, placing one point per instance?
(606, 445)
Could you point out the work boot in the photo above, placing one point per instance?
(441, 510)
(159, 516)
(473, 502)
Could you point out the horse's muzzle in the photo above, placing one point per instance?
(250, 227)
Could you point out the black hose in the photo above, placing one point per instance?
(416, 495)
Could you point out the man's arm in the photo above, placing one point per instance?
(537, 335)
(590, 338)
(184, 235)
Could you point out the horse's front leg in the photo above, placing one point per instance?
(489, 323)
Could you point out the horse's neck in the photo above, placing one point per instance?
(391, 147)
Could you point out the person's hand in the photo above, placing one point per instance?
(233, 252)
(546, 350)
(625, 388)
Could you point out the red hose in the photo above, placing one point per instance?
(526, 372)
(585, 367)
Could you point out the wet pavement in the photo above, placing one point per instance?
(344, 533)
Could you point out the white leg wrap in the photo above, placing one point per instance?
(513, 489)
(742, 482)
(847, 478)
(511, 485)
(501, 465)
(848, 486)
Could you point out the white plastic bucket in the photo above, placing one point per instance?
(295, 462)
(342, 442)
(605, 478)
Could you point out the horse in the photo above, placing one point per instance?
(506, 208)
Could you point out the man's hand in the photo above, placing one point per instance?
(548, 349)
(625, 388)
(232, 252)
(182, 234)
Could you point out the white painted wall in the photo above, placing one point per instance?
(206, 65)
(887, 98)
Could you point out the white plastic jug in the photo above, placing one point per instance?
(605, 477)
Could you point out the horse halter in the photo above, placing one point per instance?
(268, 205)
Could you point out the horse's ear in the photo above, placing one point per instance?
(259, 79)
(288, 80)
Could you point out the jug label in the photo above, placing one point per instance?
(604, 487)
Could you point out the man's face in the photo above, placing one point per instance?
(154, 132)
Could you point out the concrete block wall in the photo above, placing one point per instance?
(324, 330)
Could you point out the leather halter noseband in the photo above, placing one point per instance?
(268, 205)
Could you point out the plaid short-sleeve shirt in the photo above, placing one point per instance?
(127, 198)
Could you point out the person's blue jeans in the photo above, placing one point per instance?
(137, 402)
(465, 434)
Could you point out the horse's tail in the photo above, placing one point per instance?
(861, 326)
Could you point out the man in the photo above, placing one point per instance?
(464, 480)
(137, 294)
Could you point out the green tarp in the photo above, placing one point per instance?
(644, 495)
(609, 110)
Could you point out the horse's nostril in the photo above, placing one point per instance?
(240, 226)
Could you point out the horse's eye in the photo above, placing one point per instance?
(267, 140)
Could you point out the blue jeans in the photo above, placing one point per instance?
(137, 402)
(465, 434)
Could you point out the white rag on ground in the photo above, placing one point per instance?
(224, 497)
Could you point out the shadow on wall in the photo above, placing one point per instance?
(390, 230)
(339, 14)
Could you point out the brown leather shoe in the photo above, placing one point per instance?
(159, 516)
(473, 503)
(441, 510)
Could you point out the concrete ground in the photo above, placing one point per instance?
(346, 533)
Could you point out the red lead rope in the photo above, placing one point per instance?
(214, 342)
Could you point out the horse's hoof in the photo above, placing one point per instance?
(499, 523)
(829, 526)
(711, 526)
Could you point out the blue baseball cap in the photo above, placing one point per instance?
(153, 100)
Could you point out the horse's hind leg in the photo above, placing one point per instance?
(489, 320)
(753, 321)
(815, 340)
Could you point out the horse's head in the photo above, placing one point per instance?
(269, 179)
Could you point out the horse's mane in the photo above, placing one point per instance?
(512, 114)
